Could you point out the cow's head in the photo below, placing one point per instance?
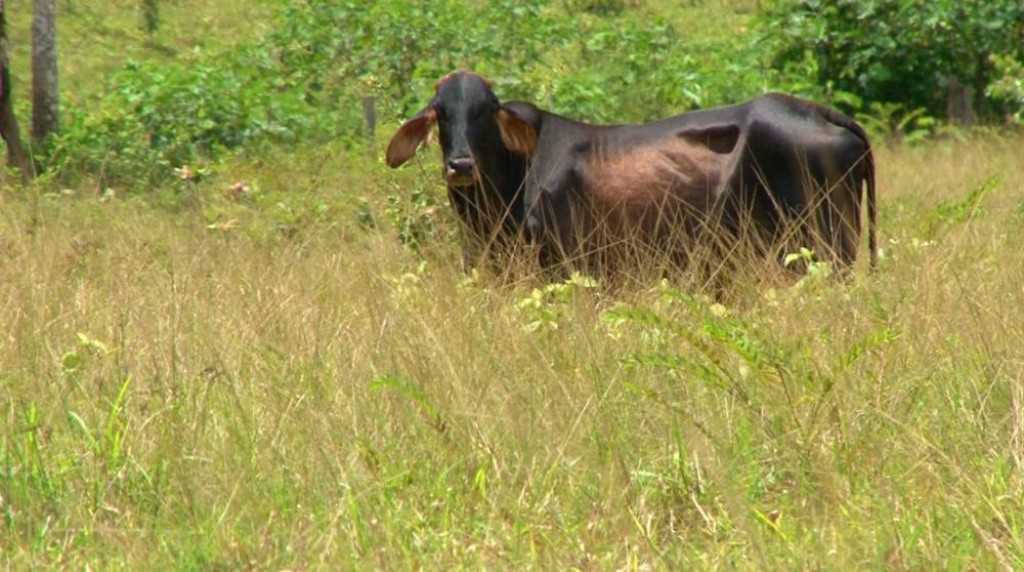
(472, 124)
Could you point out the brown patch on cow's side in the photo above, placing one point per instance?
(650, 197)
(648, 203)
(517, 135)
(664, 173)
(409, 137)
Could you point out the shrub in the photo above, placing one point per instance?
(158, 116)
(603, 64)
(1009, 86)
(897, 51)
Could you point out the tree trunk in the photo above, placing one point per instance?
(45, 110)
(16, 156)
(959, 108)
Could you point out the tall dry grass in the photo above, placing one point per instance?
(179, 395)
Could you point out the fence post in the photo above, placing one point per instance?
(370, 115)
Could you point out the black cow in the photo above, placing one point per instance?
(483, 168)
(782, 169)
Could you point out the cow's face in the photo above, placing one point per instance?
(472, 125)
(465, 106)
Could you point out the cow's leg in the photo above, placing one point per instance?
(841, 224)
(550, 225)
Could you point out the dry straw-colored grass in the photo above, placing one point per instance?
(177, 396)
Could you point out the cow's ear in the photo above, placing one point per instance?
(409, 137)
(517, 134)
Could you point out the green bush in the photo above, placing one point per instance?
(896, 51)
(616, 71)
(598, 65)
(1009, 86)
(335, 51)
(159, 116)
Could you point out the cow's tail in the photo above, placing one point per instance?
(869, 175)
(869, 169)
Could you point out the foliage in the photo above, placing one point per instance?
(547, 306)
(897, 51)
(892, 123)
(609, 64)
(160, 116)
(414, 218)
(601, 82)
(600, 7)
(1009, 86)
(337, 49)
(150, 12)
(953, 212)
(816, 272)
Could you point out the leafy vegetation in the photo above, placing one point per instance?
(158, 117)
(898, 51)
(1009, 87)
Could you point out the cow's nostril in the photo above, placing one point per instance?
(460, 165)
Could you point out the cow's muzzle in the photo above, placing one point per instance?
(459, 172)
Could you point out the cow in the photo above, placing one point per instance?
(483, 170)
(777, 168)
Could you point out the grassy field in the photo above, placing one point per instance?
(253, 374)
(187, 396)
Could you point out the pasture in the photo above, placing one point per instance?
(275, 362)
(190, 396)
